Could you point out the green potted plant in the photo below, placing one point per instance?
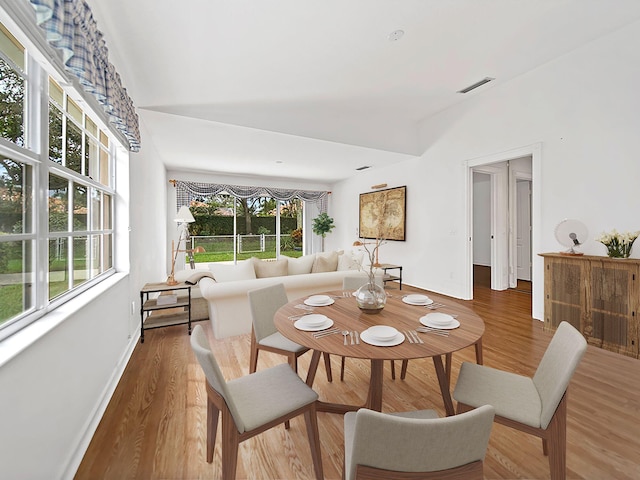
(322, 225)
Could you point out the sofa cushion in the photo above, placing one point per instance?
(300, 265)
(224, 272)
(325, 262)
(350, 261)
(275, 268)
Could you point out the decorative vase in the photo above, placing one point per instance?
(371, 297)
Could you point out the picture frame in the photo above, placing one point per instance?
(382, 214)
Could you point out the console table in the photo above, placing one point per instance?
(391, 278)
(150, 305)
(600, 296)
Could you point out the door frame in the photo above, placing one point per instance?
(535, 151)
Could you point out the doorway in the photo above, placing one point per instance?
(502, 223)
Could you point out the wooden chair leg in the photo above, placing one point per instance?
(230, 442)
(212, 427)
(293, 361)
(403, 370)
(327, 366)
(557, 442)
(311, 419)
(393, 369)
(342, 370)
(462, 407)
(447, 366)
(479, 357)
(253, 361)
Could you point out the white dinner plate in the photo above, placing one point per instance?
(313, 320)
(382, 343)
(422, 304)
(382, 333)
(309, 301)
(428, 322)
(313, 328)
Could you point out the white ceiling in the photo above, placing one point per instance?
(236, 86)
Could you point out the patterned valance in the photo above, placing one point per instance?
(188, 191)
(69, 27)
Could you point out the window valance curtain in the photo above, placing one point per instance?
(69, 27)
(188, 191)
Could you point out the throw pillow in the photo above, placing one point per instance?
(325, 262)
(186, 274)
(194, 278)
(300, 265)
(350, 261)
(275, 268)
(225, 272)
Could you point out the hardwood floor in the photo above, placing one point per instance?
(154, 427)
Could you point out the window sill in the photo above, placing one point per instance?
(20, 341)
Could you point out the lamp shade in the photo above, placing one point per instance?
(184, 215)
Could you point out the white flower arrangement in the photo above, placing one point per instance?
(618, 244)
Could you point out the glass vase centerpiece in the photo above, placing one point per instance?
(618, 244)
(371, 297)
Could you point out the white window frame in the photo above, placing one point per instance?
(36, 154)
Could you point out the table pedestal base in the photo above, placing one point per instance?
(374, 395)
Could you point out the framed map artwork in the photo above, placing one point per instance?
(382, 214)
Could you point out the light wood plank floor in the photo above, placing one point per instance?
(154, 427)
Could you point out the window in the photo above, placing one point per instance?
(16, 238)
(80, 228)
(56, 201)
(227, 228)
(12, 88)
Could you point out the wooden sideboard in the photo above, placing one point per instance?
(600, 296)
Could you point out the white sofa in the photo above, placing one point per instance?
(225, 287)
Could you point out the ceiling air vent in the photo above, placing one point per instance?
(363, 167)
(476, 85)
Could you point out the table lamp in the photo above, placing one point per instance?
(183, 219)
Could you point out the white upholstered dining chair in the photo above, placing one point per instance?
(416, 445)
(264, 303)
(252, 404)
(536, 405)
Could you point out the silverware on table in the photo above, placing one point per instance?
(408, 335)
(444, 333)
(357, 337)
(302, 306)
(324, 333)
(417, 337)
(435, 305)
(353, 341)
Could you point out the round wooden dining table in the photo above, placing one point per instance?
(347, 316)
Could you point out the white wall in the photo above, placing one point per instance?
(582, 108)
(52, 391)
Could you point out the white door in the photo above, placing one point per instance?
(498, 173)
(523, 230)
